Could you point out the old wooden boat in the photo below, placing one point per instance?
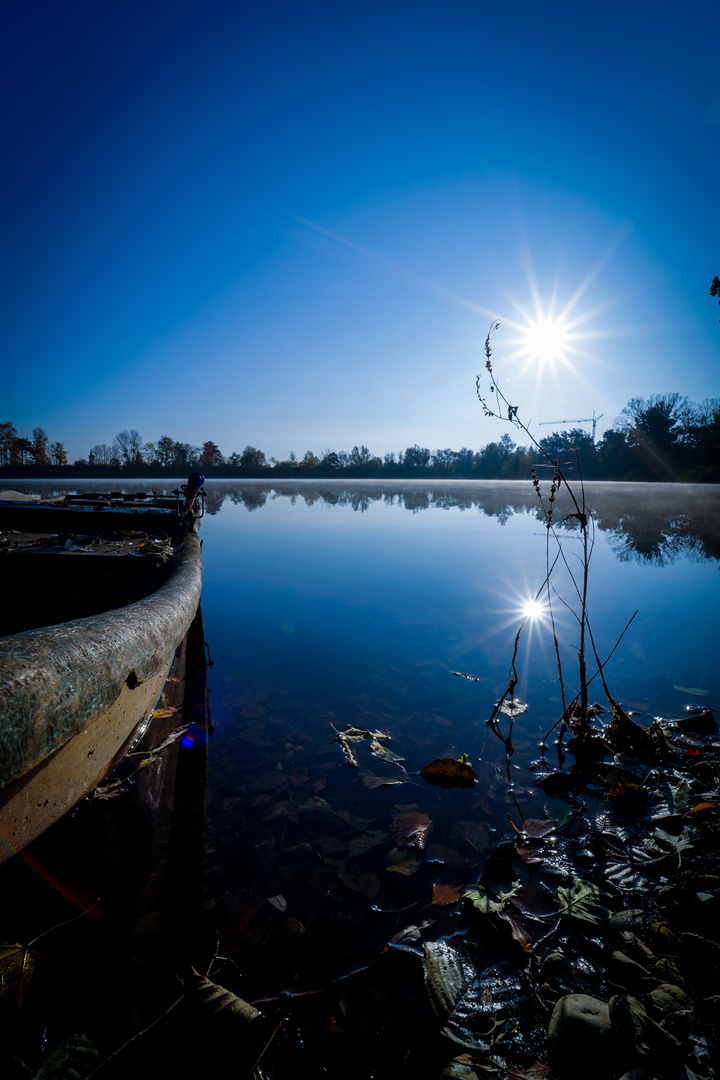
(97, 597)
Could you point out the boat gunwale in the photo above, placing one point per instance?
(55, 680)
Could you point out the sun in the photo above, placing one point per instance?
(533, 609)
(545, 340)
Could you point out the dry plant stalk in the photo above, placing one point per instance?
(576, 713)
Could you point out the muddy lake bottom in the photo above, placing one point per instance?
(381, 926)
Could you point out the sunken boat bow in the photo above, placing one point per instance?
(74, 695)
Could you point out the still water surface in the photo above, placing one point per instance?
(334, 605)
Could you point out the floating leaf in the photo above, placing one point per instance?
(109, 790)
(352, 760)
(356, 734)
(513, 708)
(164, 713)
(152, 756)
(585, 901)
(385, 753)
(702, 806)
(449, 772)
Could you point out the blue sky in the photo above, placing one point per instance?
(290, 224)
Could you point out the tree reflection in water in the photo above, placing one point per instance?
(653, 523)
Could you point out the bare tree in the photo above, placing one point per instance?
(128, 446)
(102, 454)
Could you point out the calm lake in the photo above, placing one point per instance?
(334, 605)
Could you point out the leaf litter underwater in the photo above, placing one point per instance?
(548, 919)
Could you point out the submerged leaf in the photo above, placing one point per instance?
(485, 901)
(410, 827)
(73, 1059)
(410, 933)
(372, 782)
(220, 1007)
(446, 978)
(402, 861)
(17, 964)
(449, 772)
(702, 806)
(360, 844)
(677, 844)
(367, 884)
(585, 901)
(445, 894)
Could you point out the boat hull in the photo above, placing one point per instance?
(72, 697)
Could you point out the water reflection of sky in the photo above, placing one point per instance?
(308, 588)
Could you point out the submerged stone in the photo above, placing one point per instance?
(580, 1035)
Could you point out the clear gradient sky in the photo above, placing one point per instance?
(290, 224)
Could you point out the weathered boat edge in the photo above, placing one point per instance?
(72, 695)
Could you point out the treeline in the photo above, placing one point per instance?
(663, 437)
